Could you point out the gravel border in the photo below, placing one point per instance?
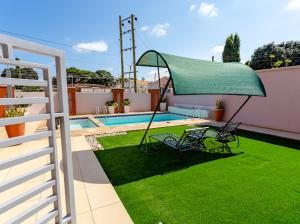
(95, 145)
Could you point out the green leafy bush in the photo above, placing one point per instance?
(15, 111)
(276, 55)
(31, 89)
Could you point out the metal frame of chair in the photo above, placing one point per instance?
(191, 139)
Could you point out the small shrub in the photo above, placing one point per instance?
(219, 104)
(15, 111)
(31, 89)
(111, 103)
(127, 102)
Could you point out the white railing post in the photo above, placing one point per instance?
(65, 138)
(8, 44)
(7, 52)
(52, 143)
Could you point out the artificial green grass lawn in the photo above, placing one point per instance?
(259, 183)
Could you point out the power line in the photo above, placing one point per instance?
(146, 38)
(46, 41)
(36, 38)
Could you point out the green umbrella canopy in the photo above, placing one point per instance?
(196, 77)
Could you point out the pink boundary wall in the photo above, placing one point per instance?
(279, 110)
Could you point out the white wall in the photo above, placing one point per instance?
(86, 103)
(140, 102)
(37, 108)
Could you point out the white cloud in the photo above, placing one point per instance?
(293, 5)
(218, 49)
(152, 76)
(160, 30)
(193, 7)
(207, 9)
(145, 28)
(97, 46)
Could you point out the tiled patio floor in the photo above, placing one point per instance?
(95, 198)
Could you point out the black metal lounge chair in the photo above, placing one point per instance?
(191, 139)
(225, 134)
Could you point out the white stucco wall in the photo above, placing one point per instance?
(37, 108)
(140, 102)
(86, 103)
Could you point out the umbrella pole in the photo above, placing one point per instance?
(233, 116)
(158, 74)
(156, 109)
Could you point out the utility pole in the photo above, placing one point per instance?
(121, 51)
(130, 78)
(130, 20)
(133, 51)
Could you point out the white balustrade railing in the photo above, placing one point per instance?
(8, 45)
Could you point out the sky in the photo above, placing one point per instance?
(88, 30)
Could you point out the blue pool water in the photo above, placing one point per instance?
(81, 123)
(140, 118)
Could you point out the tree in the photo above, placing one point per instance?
(100, 77)
(231, 52)
(276, 55)
(236, 48)
(75, 75)
(20, 73)
(106, 78)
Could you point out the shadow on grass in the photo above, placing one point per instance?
(127, 164)
(276, 140)
(295, 144)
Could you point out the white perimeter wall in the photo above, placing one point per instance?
(37, 108)
(279, 110)
(86, 103)
(140, 102)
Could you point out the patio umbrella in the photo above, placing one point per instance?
(199, 77)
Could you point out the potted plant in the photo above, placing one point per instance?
(127, 106)
(219, 111)
(15, 130)
(163, 104)
(111, 105)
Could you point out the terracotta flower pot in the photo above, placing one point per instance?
(219, 114)
(15, 130)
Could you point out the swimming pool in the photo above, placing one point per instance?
(81, 123)
(138, 118)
